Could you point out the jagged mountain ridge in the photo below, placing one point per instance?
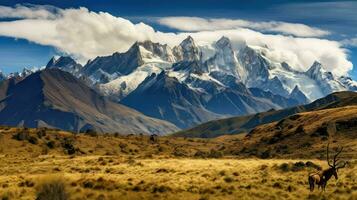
(248, 64)
(220, 74)
(236, 125)
(54, 98)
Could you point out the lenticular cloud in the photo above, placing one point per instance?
(202, 24)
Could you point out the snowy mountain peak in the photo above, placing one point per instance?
(187, 50)
(25, 72)
(317, 71)
(298, 95)
(65, 63)
(224, 42)
(325, 80)
(59, 62)
(188, 42)
(349, 83)
(316, 67)
(156, 50)
(287, 67)
(255, 66)
(225, 59)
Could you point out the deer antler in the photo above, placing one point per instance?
(328, 159)
(335, 157)
(341, 166)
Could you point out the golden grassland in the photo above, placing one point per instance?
(135, 167)
(112, 177)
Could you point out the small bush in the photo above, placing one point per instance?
(222, 173)
(277, 185)
(284, 167)
(41, 133)
(215, 154)
(162, 170)
(68, 145)
(160, 189)
(313, 165)
(265, 154)
(200, 154)
(33, 140)
(51, 144)
(277, 137)
(298, 166)
(52, 188)
(228, 179)
(178, 152)
(23, 135)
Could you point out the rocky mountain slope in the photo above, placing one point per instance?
(245, 124)
(304, 132)
(54, 98)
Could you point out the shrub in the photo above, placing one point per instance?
(68, 145)
(298, 166)
(222, 173)
(284, 167)
(265, 154)
(52, 188)
(276, 138)
(160, 189)
(228, 179)
(321, 131)
(33, 140)
(51, 144)
(200, 154)
(282, 149)
(277, 185)
(23, 135)
(41, 133)
(178, 152)
(313, 165)
(215, 154)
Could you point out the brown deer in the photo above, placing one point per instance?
(321, 178)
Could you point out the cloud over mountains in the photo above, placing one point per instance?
(86, 34)
(203, 24)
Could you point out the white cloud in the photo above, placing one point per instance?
(29, 11)
(203, 24)
(300, 53)
(87, 34)
(78, 31)
(350, 42)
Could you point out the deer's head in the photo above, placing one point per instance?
(336, 164)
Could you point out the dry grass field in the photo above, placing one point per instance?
(36, 162)
(112, 177)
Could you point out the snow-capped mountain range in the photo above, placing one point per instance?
(190, 84)
(247, 65)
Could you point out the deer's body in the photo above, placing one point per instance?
(321, 178)
(314, 178)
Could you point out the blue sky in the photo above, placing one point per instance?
(337, 17)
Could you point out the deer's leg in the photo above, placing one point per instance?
(311, 186)
(311, 183)
(325, 186)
